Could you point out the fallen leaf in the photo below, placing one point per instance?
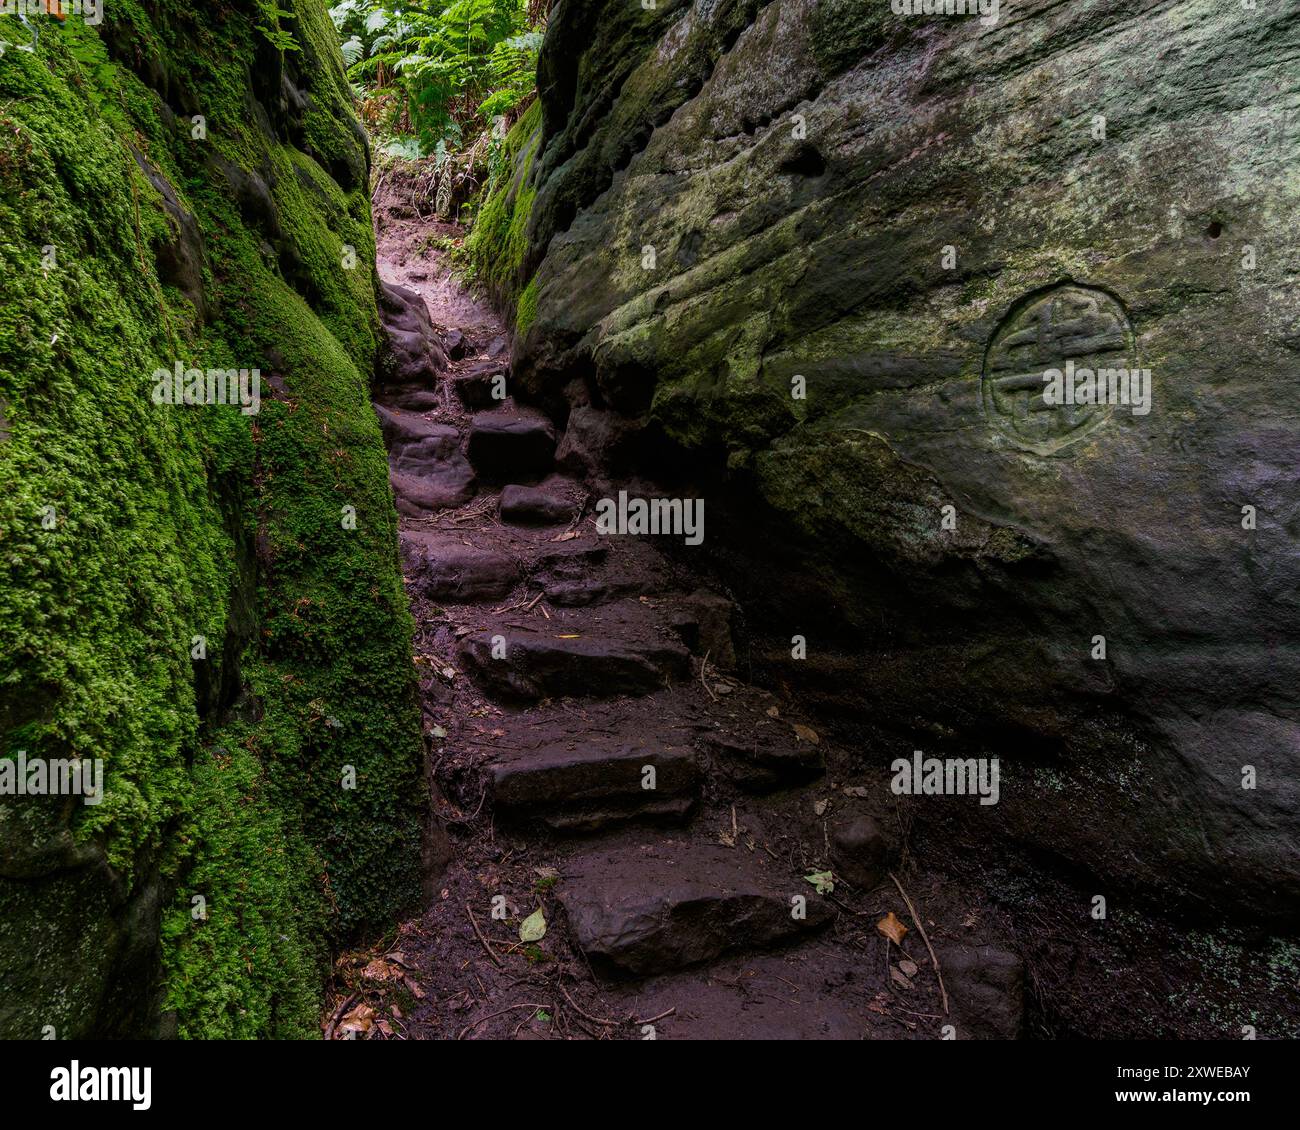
(892, 928)
(824, 881)
(773, 712)
(379, 970)
(908, 966)
(820, 807)
(438, 732)
(855, 790)
(806, 733)
(898, 977)
(360, 1019)
(568, 535)
(533, 928)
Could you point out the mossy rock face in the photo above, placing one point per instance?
(228, 854)
(890, 214)
(498, 244)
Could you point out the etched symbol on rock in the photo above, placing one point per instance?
(1043, 331)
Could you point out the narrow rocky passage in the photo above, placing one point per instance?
(594, 756)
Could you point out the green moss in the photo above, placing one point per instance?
(156, 515)
(497, 246)
(526, 308)
(254, 949)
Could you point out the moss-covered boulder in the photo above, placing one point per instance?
(831, 250)
(203, 597)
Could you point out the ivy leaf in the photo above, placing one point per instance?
(823, 881)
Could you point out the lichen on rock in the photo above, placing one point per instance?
(735, 201)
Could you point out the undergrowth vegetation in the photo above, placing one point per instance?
(442, 81)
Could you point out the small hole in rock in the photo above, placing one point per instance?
(804, 162)
(1214, 230)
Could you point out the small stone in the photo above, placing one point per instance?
(860, 852)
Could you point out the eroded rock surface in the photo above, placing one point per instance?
(909, 220)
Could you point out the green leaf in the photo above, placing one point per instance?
(340, 13)
(408, 148)
(533, 928)
(824, 881)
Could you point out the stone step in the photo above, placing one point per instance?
(536, 506)
(590, 575)
(589, 590)
(799, 993)
(532, 665)
(646, 910)
(442, 569)
(426, 467)
(507, 446)
(415, 356)
(583, 786)
(476, 386)
(761, 759)
(567, 560)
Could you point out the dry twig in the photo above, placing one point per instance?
(925, 938)
(479, 934)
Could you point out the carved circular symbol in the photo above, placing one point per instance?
(1042, 332)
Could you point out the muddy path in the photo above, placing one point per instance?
(595, 755)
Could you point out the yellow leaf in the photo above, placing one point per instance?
(533, 928)
(892, 928)
(806, 733)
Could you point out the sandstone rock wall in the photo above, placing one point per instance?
(912, 213)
